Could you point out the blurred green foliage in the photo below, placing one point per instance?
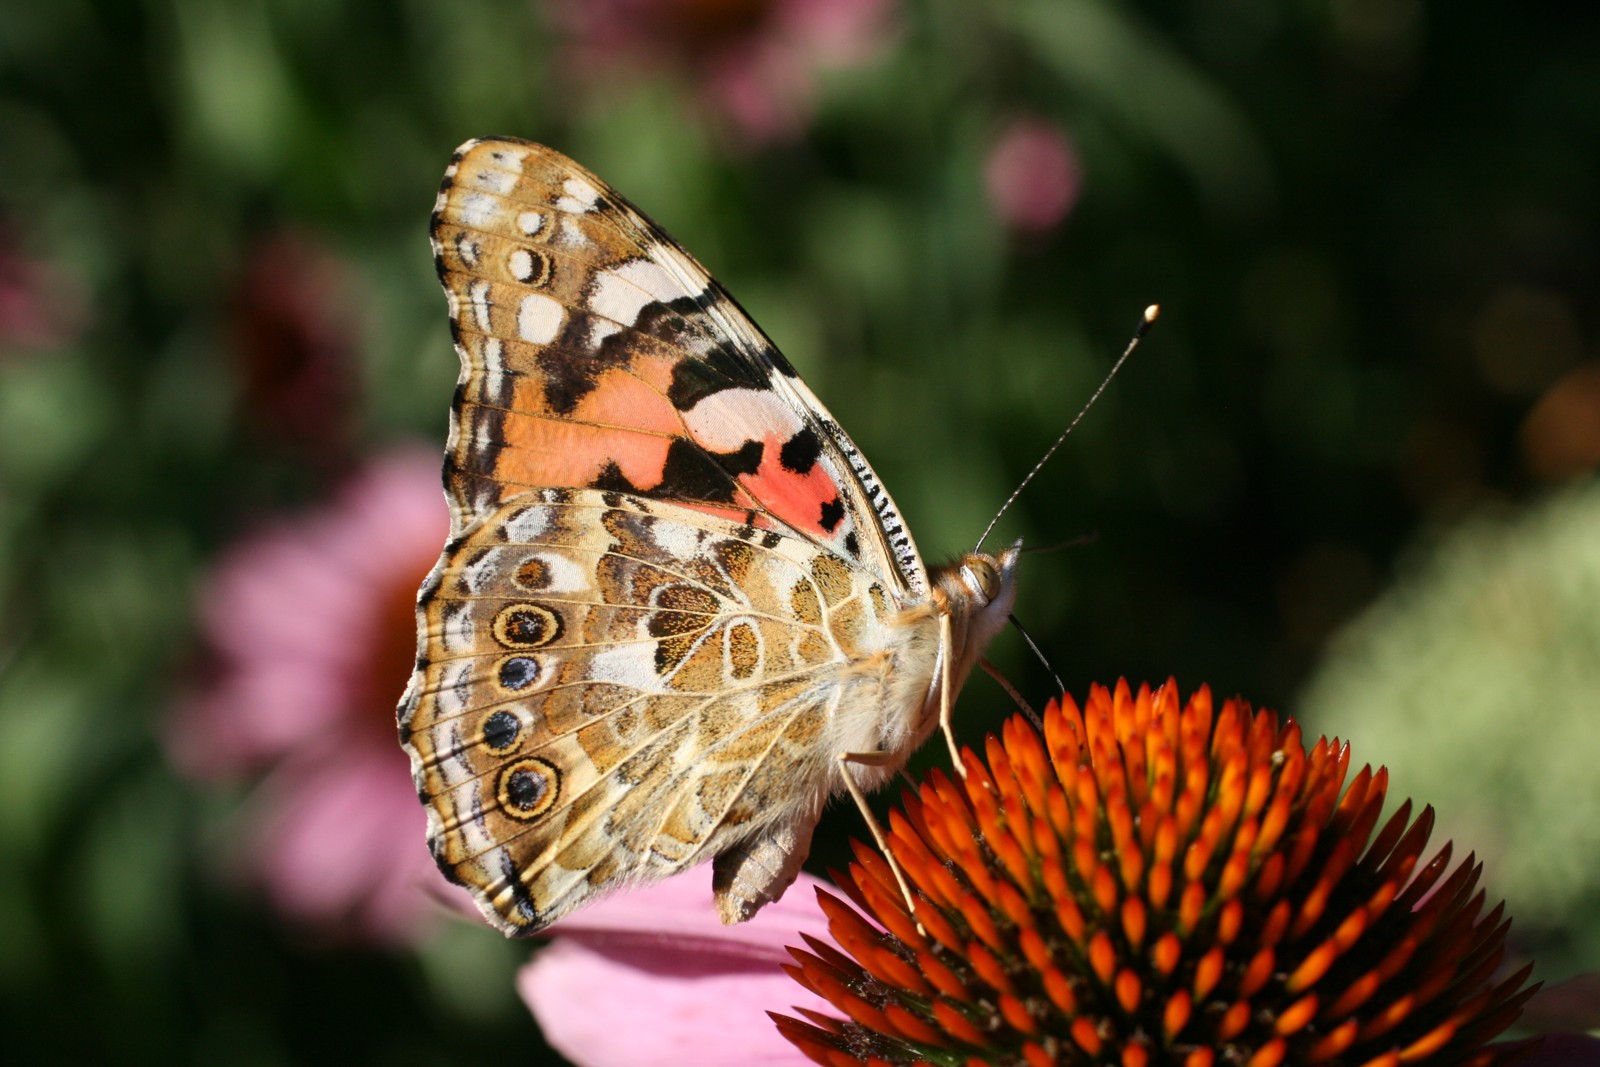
(1371, 225)
(1483, 660)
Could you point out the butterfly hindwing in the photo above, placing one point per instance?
(619, 688)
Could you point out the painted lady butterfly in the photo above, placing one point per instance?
(677, 612)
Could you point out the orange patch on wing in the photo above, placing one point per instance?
(548, 451)
(620, 399)
(622, 420)
(655, 371)
(797, 499)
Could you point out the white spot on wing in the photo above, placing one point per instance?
(496, 181)
(524, 527)
(620, 293)
(477, 210)
(475, 578)
(562, 575)
(571, 234)
(494, 365)
(580, 196)
(530, 222)
(600, 329)
(680, 541)
(521, 264)
(509, 158)
(539, 319)
(632, 665)
(725, 420)
(474, 837)
(457, 635)
(481, 441)
(455, 684)
(478, 293)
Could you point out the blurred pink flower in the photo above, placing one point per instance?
(292, 339)
(40, 305)
(753, 62)
(652, 976)
(311, 626)
(1033, 176)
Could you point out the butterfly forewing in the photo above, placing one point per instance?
(596, 352)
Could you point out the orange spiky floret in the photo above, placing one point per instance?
(1158, 882)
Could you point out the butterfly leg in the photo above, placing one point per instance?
(946, 639)
(1011, 691)
(876, 759)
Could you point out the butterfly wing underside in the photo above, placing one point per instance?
(668, 572)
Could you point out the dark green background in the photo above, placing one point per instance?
(1371, 225)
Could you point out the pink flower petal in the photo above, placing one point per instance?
(1565, 1050)
(652, 976)
(1572, 1004)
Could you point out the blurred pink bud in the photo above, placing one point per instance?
(1033, 176)
(753, 63)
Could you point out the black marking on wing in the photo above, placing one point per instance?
(724, 368)
(800, 452)
(692, 473)
(611, 480)
(563, 392)
(832, 514)
(525, 909)
(501, 729)
(689, 473)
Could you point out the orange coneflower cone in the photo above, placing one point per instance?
(1159, 883)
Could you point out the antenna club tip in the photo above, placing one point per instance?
(1152, 313)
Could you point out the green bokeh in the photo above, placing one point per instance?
(1371, 225)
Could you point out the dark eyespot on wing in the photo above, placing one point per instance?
(500, 730)
(518, 672)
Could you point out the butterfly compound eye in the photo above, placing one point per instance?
(981, 576)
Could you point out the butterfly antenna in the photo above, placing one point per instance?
(1060, 546)
(1151, 313)
(1037, 651)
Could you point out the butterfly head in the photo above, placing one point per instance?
(986, 580)
(981, 589)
